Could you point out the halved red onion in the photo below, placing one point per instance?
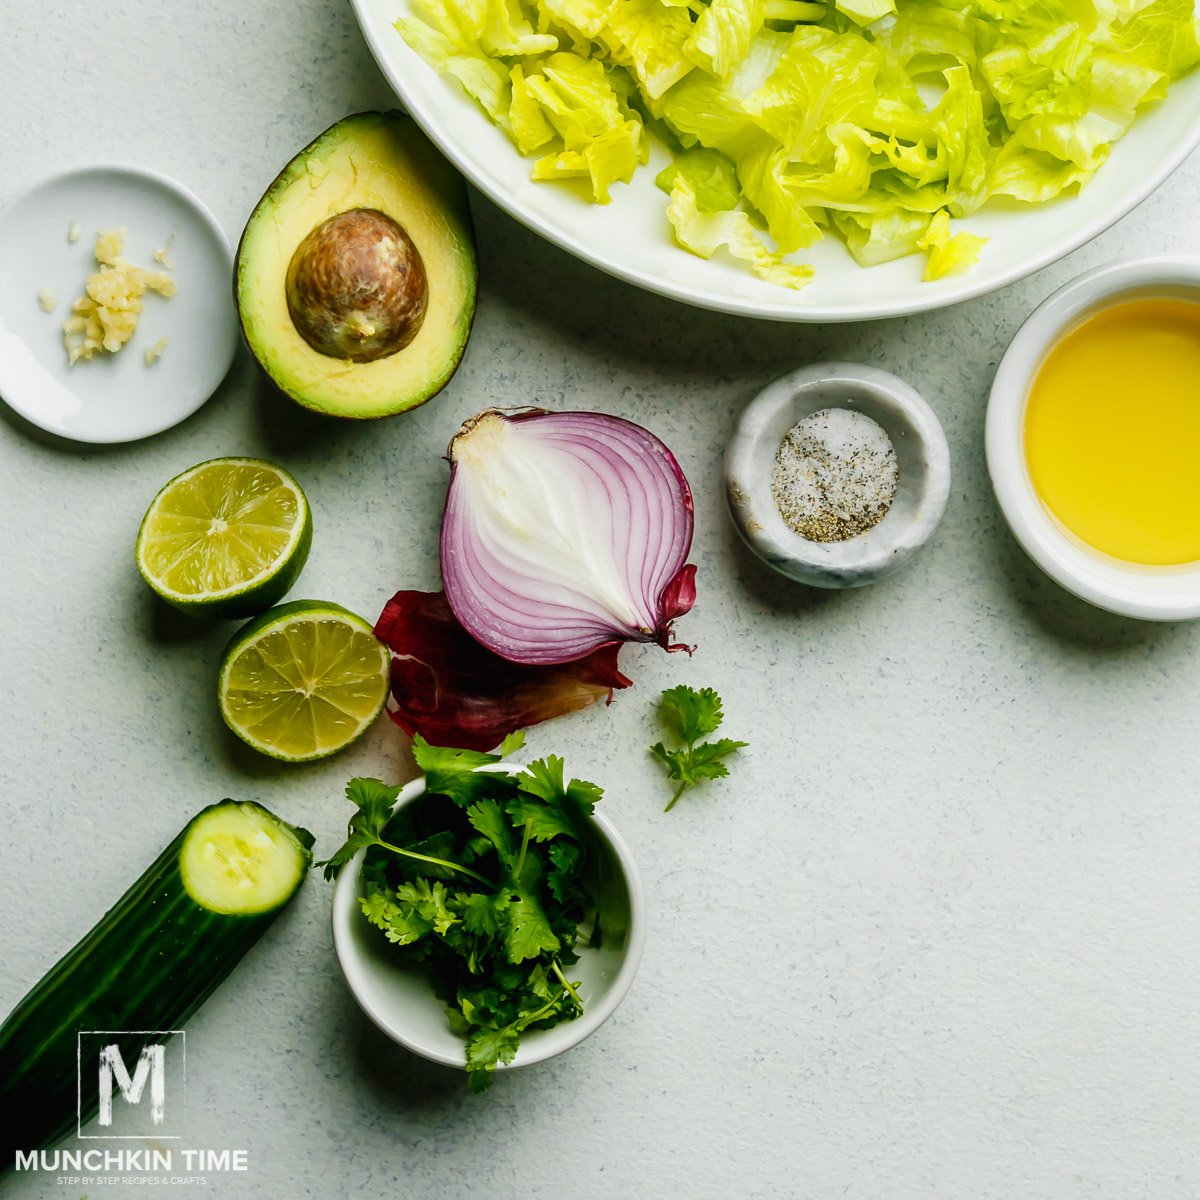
(565, 532)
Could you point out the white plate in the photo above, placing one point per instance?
(113, 397)
(630, 237)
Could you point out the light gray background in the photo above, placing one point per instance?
(938, 936)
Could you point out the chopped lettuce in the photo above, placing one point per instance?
(879, 121)
(706, 233)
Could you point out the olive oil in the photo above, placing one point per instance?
(1112, 431)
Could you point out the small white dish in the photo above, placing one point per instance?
(1128, 589)
(922, 491)
(113, 397)
(400, 1001)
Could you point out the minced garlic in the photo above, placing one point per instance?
(47, 299)
(154, 353)
(162, 254)
(106, 315)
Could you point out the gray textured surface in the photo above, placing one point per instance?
(937, 936)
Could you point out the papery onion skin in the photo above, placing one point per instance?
(564, 532)
(455, 692)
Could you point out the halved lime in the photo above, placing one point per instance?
(227, 538)
(303, 680)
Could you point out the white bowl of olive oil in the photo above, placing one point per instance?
(1093, 437)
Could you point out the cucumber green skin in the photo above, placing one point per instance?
(149, 964)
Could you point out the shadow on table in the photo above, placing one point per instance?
(1073, 623)
(769, 590)
(405, 1085)
(402, 1081)
(290, 430)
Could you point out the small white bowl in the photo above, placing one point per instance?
(922, 491)
(399, 998)
(1128, 589)
(113, 397)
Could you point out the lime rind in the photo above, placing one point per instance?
(247, 597)
(295, 613)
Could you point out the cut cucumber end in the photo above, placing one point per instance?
(238, 859)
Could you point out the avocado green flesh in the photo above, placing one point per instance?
(375, 161)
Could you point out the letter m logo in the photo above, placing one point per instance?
(151, 1064)
(123, 1079)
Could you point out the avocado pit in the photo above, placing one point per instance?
(356, 287)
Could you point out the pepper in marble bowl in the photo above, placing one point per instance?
(837, 474)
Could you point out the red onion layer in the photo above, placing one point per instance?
(454, 692)
(565, 532)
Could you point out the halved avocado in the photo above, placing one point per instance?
(356, 274)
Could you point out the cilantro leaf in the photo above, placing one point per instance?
(692, 715)
(453, 773)
(566, 806)
(566, 864)
(527, 930)
(401, 923)
(482, 914)
(485, 1049)
(429, 901)
(487, 817)
(374, 801)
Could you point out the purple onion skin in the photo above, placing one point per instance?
(673, 599)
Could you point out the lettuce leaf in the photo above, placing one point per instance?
(722, 34)
(948, 254)
(881, 121)
(706, 233)
(712, 177)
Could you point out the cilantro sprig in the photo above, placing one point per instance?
(481, 880)
(692, 715)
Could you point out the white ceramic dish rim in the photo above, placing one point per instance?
(922, 301)
(570, 1033)
(1146, 593)
(884, 548)
(207, 218)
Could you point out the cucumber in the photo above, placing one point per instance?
(149, 963)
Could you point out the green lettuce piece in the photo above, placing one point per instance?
(881, 121)
(962, 140)
(706, 233)
(605, 159)
(948, 254)
(576, 98)
(874, 238)
(530, 128)
(822, 80)
(866, 12)
(778, 196)
(484, 79)
(1161, 35)
(712, 177)
(648, 37)
(722, 35)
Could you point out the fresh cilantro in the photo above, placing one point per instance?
(481, 881)
(374, 801)
(691, 715)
